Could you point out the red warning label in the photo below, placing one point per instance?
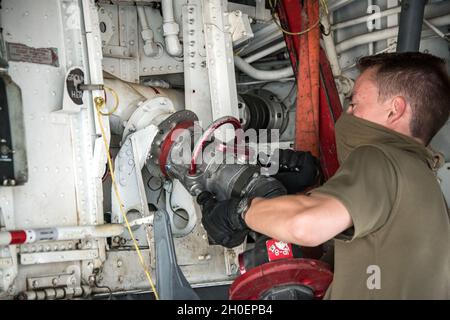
(278, 250)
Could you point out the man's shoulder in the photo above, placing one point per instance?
(373, 154)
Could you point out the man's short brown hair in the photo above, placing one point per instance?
(422, 80)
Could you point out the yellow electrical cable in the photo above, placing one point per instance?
(99, 102)
(116, 104)
(274, 4)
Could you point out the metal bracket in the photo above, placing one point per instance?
(171, 282)
(90, 87)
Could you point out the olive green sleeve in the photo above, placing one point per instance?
(366, 184)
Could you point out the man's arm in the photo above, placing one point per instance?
(303, 220)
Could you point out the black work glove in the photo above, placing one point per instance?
(222, 221)
(297, 170)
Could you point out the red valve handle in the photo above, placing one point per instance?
(207, 135)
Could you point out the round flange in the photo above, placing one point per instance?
(151, 111)
(164, 140)
(256, 283)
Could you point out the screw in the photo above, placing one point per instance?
(119, 263)
(54, 281)
(35, 284)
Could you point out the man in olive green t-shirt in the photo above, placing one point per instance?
(384, 207)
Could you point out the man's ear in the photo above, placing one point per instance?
(398, 109)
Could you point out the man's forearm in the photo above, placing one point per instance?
(281, 218)
(303, 220)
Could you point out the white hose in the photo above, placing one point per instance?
(337, 4)
(330, 48)
(431, 10)
(382, 35)
(171, 29)
(150, 47)
(433, 27)
(262, 74)
(265, 52)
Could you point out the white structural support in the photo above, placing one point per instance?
(196, 75)
(87, 140)
(219, 52)
(8, 255)
(93, 153)
(60, 147)
(128, 166)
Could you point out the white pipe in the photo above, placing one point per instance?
(431, 10)
(364, 19)
(250, 83)
(337, 4)
(382, 35)
(60, 233)
(330, 47)
(391, 47)
(150, 47)
(265, 52)
(369, 5)
(171, 29)
(436, 30)
(262, 74)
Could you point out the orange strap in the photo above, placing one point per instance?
(307, 114)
